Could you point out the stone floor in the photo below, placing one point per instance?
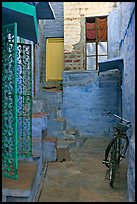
(82, 179)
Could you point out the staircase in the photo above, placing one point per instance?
(58, 138)
(51, 141)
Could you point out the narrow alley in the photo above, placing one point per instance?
(81, 179)
(68, 68)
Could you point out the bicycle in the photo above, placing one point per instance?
(116, 149)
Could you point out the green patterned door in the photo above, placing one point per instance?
(9, 102)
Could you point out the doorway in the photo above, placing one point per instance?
(54, 59)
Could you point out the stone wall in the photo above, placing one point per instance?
(89, 101)
(74, 30)
(39, 59)
(128, 53)
(55, 28)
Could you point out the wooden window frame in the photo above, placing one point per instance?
(94, 20)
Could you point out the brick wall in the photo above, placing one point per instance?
(74, 30)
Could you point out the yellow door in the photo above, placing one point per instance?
(54, 58)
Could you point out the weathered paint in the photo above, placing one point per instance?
(89, 101)
(75, 14)
(54, 50)
(123, 20)
(128, 52)
(48, 29)
(114, 26)
(55, 28)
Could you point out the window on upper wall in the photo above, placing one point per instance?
(96, 41)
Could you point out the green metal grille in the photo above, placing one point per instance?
(9, 102)
(16, 101)
(24, 93)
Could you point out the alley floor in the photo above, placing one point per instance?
(82, 179)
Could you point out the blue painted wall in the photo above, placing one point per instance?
(128, 53)
(123, 44)
(114, 26)
(89, 101)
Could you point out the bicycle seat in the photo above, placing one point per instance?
(121, 127)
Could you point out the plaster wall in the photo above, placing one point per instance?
(40, 59)
(128, 97)
(89, 101)
(114, 32)
(50, 29)
(122, 43)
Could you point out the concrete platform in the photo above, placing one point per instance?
(25, 187)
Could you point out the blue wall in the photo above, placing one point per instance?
(128, 53)
(124, 21)
(89, 101)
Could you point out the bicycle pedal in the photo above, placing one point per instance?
(122, 156)
(105, 162)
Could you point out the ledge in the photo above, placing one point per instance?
(113, 63)
(39, 115)
(22, 186)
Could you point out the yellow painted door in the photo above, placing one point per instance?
(54, 58)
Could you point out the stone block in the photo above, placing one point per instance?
(71, 134)
(39, 123)
(63, 154)
(49, 147)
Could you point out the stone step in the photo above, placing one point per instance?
(58, 134)
(57, 149)
(70, 143)
(39, 123)
(64, 147)
(56, 125)
(71, 134)
(37, 144)
(49, 147)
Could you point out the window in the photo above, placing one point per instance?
(96, 41)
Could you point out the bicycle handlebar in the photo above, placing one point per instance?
(122, 119)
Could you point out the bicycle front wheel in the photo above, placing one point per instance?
(112, 173)
(112, 156)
